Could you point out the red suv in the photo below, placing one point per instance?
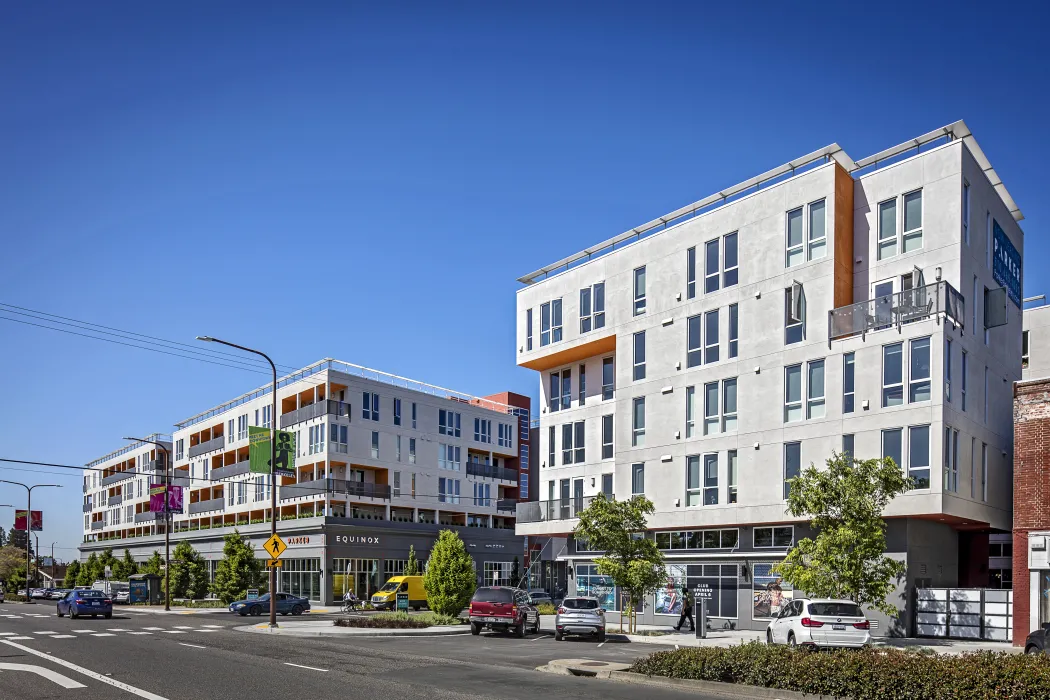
(502, 609)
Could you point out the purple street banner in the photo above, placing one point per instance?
(156, 498)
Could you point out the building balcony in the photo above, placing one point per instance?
(336, 487)
(114, 500)
(543, 511)
(936, 300)
(232, 470)
(183, 481)
(509, 505)
(489, 471)
(146, 517)
(315, 410)
(88, 508)
(96, 525)
(119, 476)
(213, 444)
(205, 506)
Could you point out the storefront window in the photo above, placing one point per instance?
(497, 573)
(722, 580)
(669, 597)
(590, 583)
(300, 577)
(393, 567)
(1044, 597)
(357, 575)
(769, 593)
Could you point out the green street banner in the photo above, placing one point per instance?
(259, 451)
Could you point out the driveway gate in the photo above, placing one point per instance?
(964, 613)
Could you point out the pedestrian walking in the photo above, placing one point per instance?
(687, 611)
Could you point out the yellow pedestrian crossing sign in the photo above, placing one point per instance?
(275, 546)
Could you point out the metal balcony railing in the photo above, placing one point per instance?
(88, 508)
(507, 505)
(97, 525)
(213, 444)
(935, 300)
(119, 476)
(329, 407)
(336, 487)
(491, 472)
(146, 517)
(561, 509)
(231, 470)
(205, 506)
(115, 500)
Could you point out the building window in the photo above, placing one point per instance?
(637, 479)
(962, 393)
(370, 406)
(592, 307)
(179, 448)
(729, 405)
(482, 430)
(818, 240)
(528, 329)
(375, 444)
(887, 229)
(397, 445)
(693, 350)
(711, 420)
(395, 489)
(598, 299)
(337, 439)
(892, 375)
(411, 450)
(732, 477)
(734, 330)
(607, 437)
(912, 237)
(966, 212)
(730, 260)
(693, 490)
(892, 446)
(796, 251)
(973, 467)
(566, 388)
(506, 434)
(608, 378)
(984, 472)
(566, 443)
(951, 460)
(585, 310)
(397, 411)
(792, 393)
(450, 423)
(710, 479)
(242, 427)
(554, 398)
(690, 411)
(639, 291)
(947, 370)
(711, 266)
(639, 355)
(579, 443)
(449, 457)
(792, 464)
(1024, 349)
(550, 322)
(919, 375)
(523, 485)
(847, 445)
(690, 273)
(607, 485)
(448, 490)
(711, 336)
(783, 536)
(919, 455)
(815, 390)
(316, 436)
(638, 424)
(986, 394)
(482, 494)
(266, 411)
(794, 314)
(583, 385)
(550, 446)
(848, 383)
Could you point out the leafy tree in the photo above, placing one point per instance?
(449, 579)
(412, 567)
(238, 571)
(3, 537)
(107, 559)
(18, 538)
(632, 562)
(91, 571)
(847, 558)
(72, 571)
(153, 565)
(189, 575)
(17, 578)
(125, 567)
(12, 559)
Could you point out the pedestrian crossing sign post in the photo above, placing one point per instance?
(275, 546)
(273, 564)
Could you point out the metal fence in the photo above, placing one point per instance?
(935, 300)
(964, 613)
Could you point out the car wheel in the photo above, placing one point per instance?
(284, 614)
(519, 630)
(108, 615)
(769, 637)
(601, 637)
(93, 616)
(475, 629)
(558, 636)
(297, 610)
(1034, 650)
(256, 611)
(59, 611)
(791, 640)
(73, 614)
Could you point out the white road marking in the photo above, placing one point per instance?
(195, 646)
(45, 673)
(103, 634)
(174, 632)
(538, 638)
(117, 629)
(140, 633)
(46, 632)
(601, 645)
(322, 670)
(205, 630)
(153, 629)
(90, 674)
(3, 640)
(214, 626)
(7, 634)
(63, 636)
(82, 631)
(182, 627)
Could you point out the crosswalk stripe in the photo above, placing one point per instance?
(63, 636)
(174, 632)
(117, 629)
(103, 634)
(20, 637)
(182, 627)
(153, 629)
(140, 633)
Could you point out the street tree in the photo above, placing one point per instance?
(238, 570)
(125, 567)
(412, 567)
(189, 574)
(847, 557)
(107, 559)
(630, 559)
(153, 565)
(3, 537)
(449, 580)
(72, 571)
(91, 571)
(11, 559)
(18, 538)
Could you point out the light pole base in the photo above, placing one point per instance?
(273, 625)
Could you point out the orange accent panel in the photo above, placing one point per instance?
(843, 237)
(599, 346)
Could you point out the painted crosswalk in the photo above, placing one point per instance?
(81, 632)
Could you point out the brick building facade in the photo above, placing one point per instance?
(1031, 505)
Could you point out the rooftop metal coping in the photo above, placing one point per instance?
(832, 152)
(358, 371)
(130, 447)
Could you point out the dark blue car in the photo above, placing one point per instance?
(286, 603)
(86, 602)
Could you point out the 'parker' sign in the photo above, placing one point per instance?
(1006, 264)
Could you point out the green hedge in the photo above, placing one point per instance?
(871, 674)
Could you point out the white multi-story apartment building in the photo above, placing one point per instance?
(828, 305)
(383, 463)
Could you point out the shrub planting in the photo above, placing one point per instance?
(398, 620)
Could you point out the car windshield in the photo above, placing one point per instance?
(90, 594)
(579, 604)
(493, 595)
(835, 610)
(390, 587)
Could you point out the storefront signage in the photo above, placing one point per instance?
(298, 540)
(356, 539)
(1006, 265)
(703, 591)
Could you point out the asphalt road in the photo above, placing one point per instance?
(200, 656)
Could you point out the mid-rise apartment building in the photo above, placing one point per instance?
(383, 463)
(829, 305)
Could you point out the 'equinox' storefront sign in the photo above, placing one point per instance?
(356, 539)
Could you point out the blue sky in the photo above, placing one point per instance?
(368, 181)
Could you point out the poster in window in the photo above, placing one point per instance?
(769, 593)
(669, 596)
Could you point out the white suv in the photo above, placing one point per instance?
(820, 622)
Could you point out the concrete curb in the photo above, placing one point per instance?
(728, 690)
(326, 629)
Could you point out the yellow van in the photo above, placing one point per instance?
(386, 597)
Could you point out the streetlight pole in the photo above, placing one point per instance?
(167, 516)
(53, 563)
(29, 521)
(273, 463)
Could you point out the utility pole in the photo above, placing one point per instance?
(29, 522)
(167, 515)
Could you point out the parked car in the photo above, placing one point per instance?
(93, 603)
(386, 597)
(503, 609)
(1036, 641)
(286, 603)
(580, 615)
(820, 623)
(541, 597)
(123, 597)
(58, 593)
(39, 593)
